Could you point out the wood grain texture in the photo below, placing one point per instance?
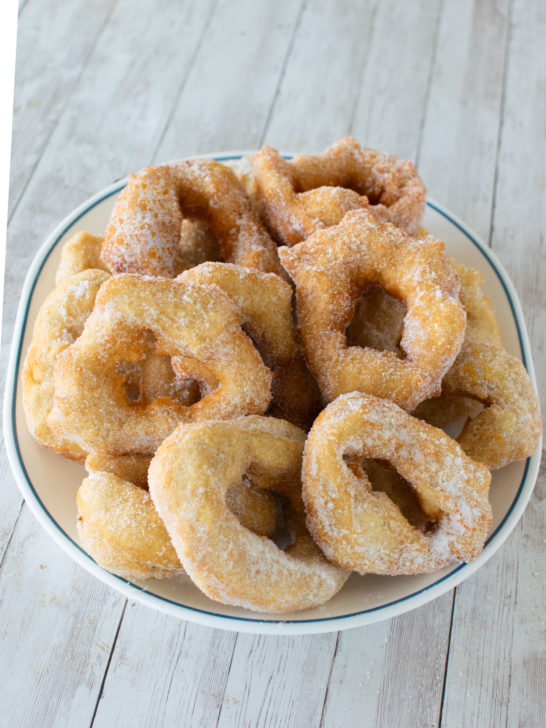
(277, 682)
(458, 154)
(58, 625)
(40, 98)
(308, 121)
(390, 104)
(193, 663)
(239, 64)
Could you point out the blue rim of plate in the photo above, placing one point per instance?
(11, 431)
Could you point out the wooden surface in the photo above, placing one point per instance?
(106, 86)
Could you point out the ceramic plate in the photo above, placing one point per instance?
(49, 482)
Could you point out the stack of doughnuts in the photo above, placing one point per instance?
(255, 362)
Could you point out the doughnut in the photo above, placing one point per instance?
(265, 304)
(332, 268)
(189, 476)
(384, 478)
(80, 253)
(504, 422)
(196, 325)
(143, 235)
(119, 526)
(362, 529)
(311, 192)
(59, 323)
(509, 426)
(121, 530)
(263, 300)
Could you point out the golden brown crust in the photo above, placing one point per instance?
(487, 386)
(81, 252)
(265, 303)
(311, 192)
(363, 529)
(188, 482)
(59, 323)
(199, 324)
(143, 235)
(333, 266)
(120, 528)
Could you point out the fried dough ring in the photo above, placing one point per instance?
(188, 483)
(143, 235)
(59, 323)
(81, 252)
(121, 530)
(195, 323)
(333, 266)
(119, 525)
(311, 192)
(265, 304)
(508, 427)
(360, 529)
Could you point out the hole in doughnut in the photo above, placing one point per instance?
(152, 374)
(198, 243)
(285, 533)
(131, 371)
(378, 321)
(473, 406)
(262, 510)
(383, 478)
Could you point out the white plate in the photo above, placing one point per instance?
(49, 482)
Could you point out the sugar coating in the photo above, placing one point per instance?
(506, 423)
(59, 323)
(312, 192)
(121, 529)
(332, 268)
(365, 530)
(143, 235)
(189, 477)
(187, 320)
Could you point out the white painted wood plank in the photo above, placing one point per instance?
(278, 682)
(459, 149)
(40, 97)
(52, 664)
(394, 86)
(413, 678)
(164, 672)
(316, 99)
(496, 672)
(389, 674)
(500, 611)
(11, 501)
(228, 94)
(356, 677)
